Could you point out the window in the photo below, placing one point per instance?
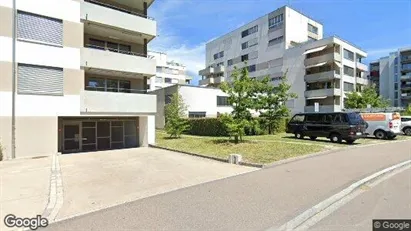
(229, 62)
(219, 55)
(97, 44)
(395, 86)
(298, 119)
(222, 101)
(349, 87)
(249, 31)
(167, 80)
(244, 58)
(244, 45)
(159, 80)
(312, 28)
(251, 68)
(340, 118)
(39, 80)
(405, 119)
(167, 99)
(192, 114)
(276, 21)
(348, 71)
(396, 95)
(348, 55)
(39, 28)
(111, 85)
(188, 81)
(276, 41)
(313, 118)
(220, 64)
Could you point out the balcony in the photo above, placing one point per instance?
(206, 81)
(326, 58)
(219, 69)
(406, 86)
(406, 77)
(362, 66)
(103, 14)
(117, 60)
(322, 93)
(322, 76)
(324, 108)
(101, 102)
(406, 96)
(206, 71)
(406, 59)
(361, 81)
(218, 80)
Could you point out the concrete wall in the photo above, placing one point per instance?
(115, 18)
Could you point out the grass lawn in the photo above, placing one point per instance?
(256, 149)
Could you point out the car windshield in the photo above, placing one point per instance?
(355, 118)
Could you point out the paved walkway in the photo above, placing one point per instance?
(254, 201)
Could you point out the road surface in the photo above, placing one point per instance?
(253, 201)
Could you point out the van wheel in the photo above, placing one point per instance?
(335, 138)
(407, 131)
(299, 135)
(313, 137)
(380, 134)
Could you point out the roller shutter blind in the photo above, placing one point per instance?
(39, 80)
(39, 28)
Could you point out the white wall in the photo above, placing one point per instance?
(62, 9)
(203, 99)
(37, 54)
(151, 130)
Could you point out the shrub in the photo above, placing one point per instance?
(206, 127)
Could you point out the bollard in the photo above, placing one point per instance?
(235, 158)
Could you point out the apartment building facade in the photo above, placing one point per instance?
(81, 71)
(167, 72)
(320, 70)
(392, 77)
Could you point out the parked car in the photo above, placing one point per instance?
(406, 125)
(337, 126)
(383, 125)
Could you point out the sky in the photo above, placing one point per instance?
(185, 26)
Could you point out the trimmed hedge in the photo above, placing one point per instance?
(206, 127)
(214, 127)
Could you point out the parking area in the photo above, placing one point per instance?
(96, 180)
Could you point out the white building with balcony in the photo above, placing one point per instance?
(168, 72)
(320, 70)
(392, 76)
(81, 76)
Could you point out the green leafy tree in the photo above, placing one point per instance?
(176, 124)
(270, 101)
(369, 96)
(240, 90)
(407, 111)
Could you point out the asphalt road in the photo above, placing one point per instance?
(252, 201)
(390, 199)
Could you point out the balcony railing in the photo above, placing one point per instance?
(116, 50)
(116, 89)
(118, 8)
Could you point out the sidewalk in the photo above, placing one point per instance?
(24, 187)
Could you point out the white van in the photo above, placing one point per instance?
(406, 125)
(383, 125)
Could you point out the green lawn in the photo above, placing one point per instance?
(256, 149)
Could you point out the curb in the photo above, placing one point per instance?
(55, 200)
(303, 217)
(207, 157)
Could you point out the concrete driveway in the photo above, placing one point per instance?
(92, 181)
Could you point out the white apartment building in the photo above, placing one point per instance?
(320, 70)
(200, 101)
(167, 73)
(81, 74)
(392, 77)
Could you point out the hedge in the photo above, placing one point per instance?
(214, 127)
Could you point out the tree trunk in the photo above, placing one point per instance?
(236, 139)
(269, 129)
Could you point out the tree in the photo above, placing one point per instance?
(407, 111)
(270, 101)
(174, 116)
(369, 96)
(240, 91)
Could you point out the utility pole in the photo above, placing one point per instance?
(13, 85)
